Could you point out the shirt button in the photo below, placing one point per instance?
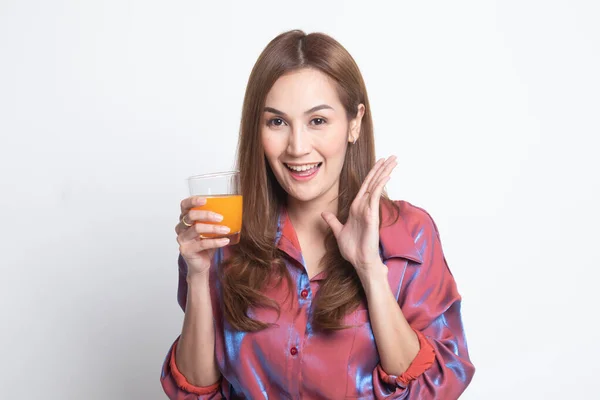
(304, 293)
(293, 351)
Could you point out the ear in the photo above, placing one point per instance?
(354, 129)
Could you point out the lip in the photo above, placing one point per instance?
(303, 178)
(304, 163)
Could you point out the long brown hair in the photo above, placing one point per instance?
(255, 261)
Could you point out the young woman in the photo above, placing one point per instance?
(334, 291)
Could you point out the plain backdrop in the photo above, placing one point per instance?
(107, 106)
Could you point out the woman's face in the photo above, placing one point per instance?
(305, 132)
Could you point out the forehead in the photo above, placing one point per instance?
(298, 91)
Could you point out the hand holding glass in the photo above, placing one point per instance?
(221, 191)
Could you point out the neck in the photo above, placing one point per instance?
(306, 215)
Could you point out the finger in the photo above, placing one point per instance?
(369, 177)
(197, 246)
(192, 201)
(194, 216)
(379, 185)
(183, 224)
(376, 195)
(335, 225)
(203, 216)
(385, 169)
(194, 232)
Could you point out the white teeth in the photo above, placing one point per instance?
(301, 168)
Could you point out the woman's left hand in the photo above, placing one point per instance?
(358, 239)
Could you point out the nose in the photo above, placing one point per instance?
(299, 142)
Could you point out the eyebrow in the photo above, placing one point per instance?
(312, 110)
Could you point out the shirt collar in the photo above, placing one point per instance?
(287, 241)
(394, 238)
(286, 238)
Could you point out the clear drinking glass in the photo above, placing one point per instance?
(221, 190)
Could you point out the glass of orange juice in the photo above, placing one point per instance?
(222, 193)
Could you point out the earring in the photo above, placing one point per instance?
(354, 141)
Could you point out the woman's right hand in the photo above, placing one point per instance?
(197, 251)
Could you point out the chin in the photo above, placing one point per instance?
(302, 192)
(306, 195)
(302, 199)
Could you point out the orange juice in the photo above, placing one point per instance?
(230, 207)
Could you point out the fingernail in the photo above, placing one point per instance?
(223, 229)
(217, 217)
(224, 241)
(200, 201)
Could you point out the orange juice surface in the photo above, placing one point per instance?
(229, 206)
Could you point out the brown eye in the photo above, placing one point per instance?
(276, 122)
(318, 121)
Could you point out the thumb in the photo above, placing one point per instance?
(335, 225)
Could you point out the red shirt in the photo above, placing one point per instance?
(289, 360)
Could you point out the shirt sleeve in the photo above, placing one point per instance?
(177, 387)
(421, 363)
(430, 301)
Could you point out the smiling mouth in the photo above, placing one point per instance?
(304, 167)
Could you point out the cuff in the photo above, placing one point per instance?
(424, 359)
(183, 383)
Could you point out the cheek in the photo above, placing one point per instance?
(272, 147)
(268, 145)
(334, 148)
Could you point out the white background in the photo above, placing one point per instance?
(107, 106)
